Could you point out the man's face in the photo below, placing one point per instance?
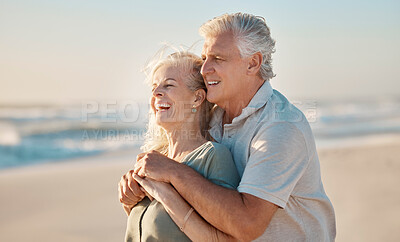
(224, 70)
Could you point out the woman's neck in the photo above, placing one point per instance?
(183, 141)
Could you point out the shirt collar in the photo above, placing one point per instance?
(261, 97)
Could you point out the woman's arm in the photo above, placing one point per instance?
(195, 227)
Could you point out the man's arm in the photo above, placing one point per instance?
(192, 224)
(234, 213)
(241, 215)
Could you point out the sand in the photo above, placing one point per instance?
(362, 183)
(77, 200)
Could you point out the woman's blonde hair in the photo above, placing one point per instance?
(190, 66)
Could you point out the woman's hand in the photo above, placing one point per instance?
(157, 190)
(129, 192)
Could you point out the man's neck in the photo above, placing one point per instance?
(234, 108)
(231, 113)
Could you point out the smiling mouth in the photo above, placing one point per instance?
(162, 107)
(213, 83)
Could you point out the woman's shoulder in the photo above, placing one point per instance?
(216, 155)
(208, 153)
(219, 149)
(214, 161)
(221, 167)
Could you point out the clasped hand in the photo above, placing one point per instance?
(149, 178)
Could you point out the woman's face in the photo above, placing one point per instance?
(172, 100)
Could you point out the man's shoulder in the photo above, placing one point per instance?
(280, 118)
(280, 112)
(279, 108)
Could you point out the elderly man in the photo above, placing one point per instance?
(280, 196)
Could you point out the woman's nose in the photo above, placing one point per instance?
(157, 92)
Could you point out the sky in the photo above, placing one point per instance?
(57, 52)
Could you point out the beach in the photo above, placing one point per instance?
(362, 182)
(76, 200)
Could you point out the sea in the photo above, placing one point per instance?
(32, 134)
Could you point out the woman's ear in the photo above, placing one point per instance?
(255, 62)
(200, 96)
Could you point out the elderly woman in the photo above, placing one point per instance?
(178, 129)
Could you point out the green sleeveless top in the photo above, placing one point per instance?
(148, 220)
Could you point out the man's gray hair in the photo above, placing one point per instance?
(251, 33)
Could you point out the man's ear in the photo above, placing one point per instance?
(200, 97)
(255, 62)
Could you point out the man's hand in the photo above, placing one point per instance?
(155, 166)
(129, 192)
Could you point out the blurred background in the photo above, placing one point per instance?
(74, 105)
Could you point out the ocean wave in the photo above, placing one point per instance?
(37, 134)
(9, 135)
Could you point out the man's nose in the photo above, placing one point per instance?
(206, 68)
